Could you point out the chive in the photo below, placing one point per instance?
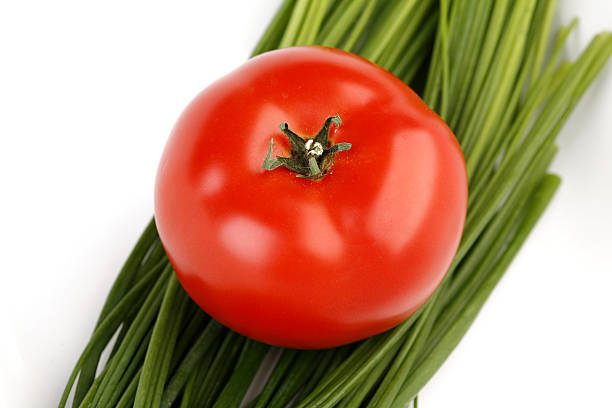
(281, 367)
(120, 287)
(314, 18)
(444, 53)
(194, 356)
(361, 391)
(155, 257)
(340, 367)
(498, 139)
(127, 274)
(494, 230)
(502, 135)
(357, 365)
(330, 384)
(359, 27)
(498, 85)
(339, 23)
(188, 335)
(301, 371)
(513, 165)
(522, 121)
(273, 34)
(380, 38)
(137, 331)
(329, 360)
(492, 36)
(411, 72)
(86, 401)
(186, 397)
(127, 399)
(251, 357)
(108, 326)
(560, 40)
(404, 38)
(134, 367)
(434, 76)
(466, 37)
(253, 403)
(487, 250)
(403, 362)
(293, 26)
(165, 332)
(220, 369)
(544, 25)
(430, 365)
(198, 375)
(416, 52)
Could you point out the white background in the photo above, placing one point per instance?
(88, 94)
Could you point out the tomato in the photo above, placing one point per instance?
(319, 260)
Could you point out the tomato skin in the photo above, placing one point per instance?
(300, 263)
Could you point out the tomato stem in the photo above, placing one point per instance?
(310, 158)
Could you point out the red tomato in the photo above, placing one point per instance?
(308, 263)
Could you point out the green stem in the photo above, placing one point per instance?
(310, 158)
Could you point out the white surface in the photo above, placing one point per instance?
(88, 94)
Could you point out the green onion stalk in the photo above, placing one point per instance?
(492, 72)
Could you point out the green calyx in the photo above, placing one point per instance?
(310, 158)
